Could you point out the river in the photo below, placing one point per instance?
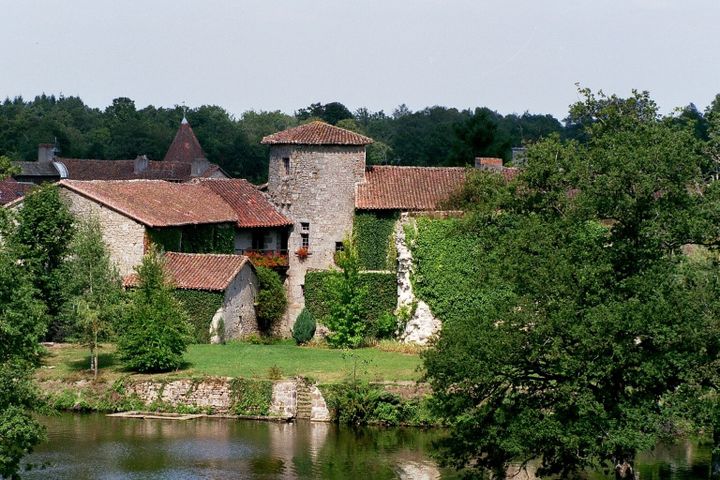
(95, 446)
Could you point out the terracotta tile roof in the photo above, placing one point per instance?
(157, 203)
(90, 169)
(317, 133)
(11, 189)
(252, 207)
(407, 188)
(198, 271)
(185, 146)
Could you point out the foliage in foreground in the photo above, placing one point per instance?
(347, 320)
(92, 288)
(271, 299)
(585, 321)
(154, 332)
(40, 240)
(21, 326)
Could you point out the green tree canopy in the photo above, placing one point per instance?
(588, 318)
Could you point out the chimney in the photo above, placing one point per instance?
(489, 163)
(141, 164)
(46, 152)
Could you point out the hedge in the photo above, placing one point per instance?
(372, 233)
(195, 238)
(382, 298)
(200, 307)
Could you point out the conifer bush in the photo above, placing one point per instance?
(304, 328)
(154, 331)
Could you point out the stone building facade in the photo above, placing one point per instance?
(124, 237)
(312, 176)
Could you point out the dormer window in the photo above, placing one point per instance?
(286, 165)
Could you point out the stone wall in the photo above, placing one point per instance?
(216, 394)
(238, 309)
(319, 190)
(124, 237)
(422, 324)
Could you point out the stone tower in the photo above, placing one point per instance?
(313, 171)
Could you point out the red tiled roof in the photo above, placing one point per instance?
(157, 203)
(11, 189)
(317, 133)
(252, 207)
(407, 188)
(198, 271)
(185, 146)
(89, 169)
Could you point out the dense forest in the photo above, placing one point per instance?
(432, 136)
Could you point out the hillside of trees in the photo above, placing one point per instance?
(433, 136)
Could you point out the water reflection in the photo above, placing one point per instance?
(95, 446)
(100, 447)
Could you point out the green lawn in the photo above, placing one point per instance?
(70, 362)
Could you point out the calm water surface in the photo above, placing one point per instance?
(99, 447)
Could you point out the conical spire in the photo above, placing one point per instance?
(185, 147)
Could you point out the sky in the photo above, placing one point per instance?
(509, 55)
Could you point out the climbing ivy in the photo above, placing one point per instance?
(250, 397)
(195, 238)
(372, 233)
(381, 301)
(200, 307)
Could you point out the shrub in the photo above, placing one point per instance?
(154, 331)
(385, 326)
(347, 307)
(383, 286)
(271, 300)
(304, 327)
(251, 397)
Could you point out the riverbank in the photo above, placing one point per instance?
(377, 393)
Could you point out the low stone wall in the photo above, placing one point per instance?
(216, 394)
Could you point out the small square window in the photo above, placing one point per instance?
(305, 240)
(286, 165)
(339, 246)
(304, 227)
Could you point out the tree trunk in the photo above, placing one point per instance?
(715, 462)
(624, 470)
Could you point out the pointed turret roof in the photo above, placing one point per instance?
(317, 133)
(185, 147)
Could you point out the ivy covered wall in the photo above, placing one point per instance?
(200, 307)
(216, 238)
(372, 232)
(382, 298)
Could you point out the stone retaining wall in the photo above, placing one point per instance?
(216, 394)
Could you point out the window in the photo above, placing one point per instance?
(305, 240)
(304, 227)
(286, 165)
(339, 247)
(258, 240)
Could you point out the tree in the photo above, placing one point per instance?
(347, 321)
(588, 319)
(271, 300)
(44, 230)
(93, 288)
(331, 112)
(21, 326)
(154, 331)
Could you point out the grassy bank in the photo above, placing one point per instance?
(70, 362)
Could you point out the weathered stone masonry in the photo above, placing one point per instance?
(318, 190)
(124, 237)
